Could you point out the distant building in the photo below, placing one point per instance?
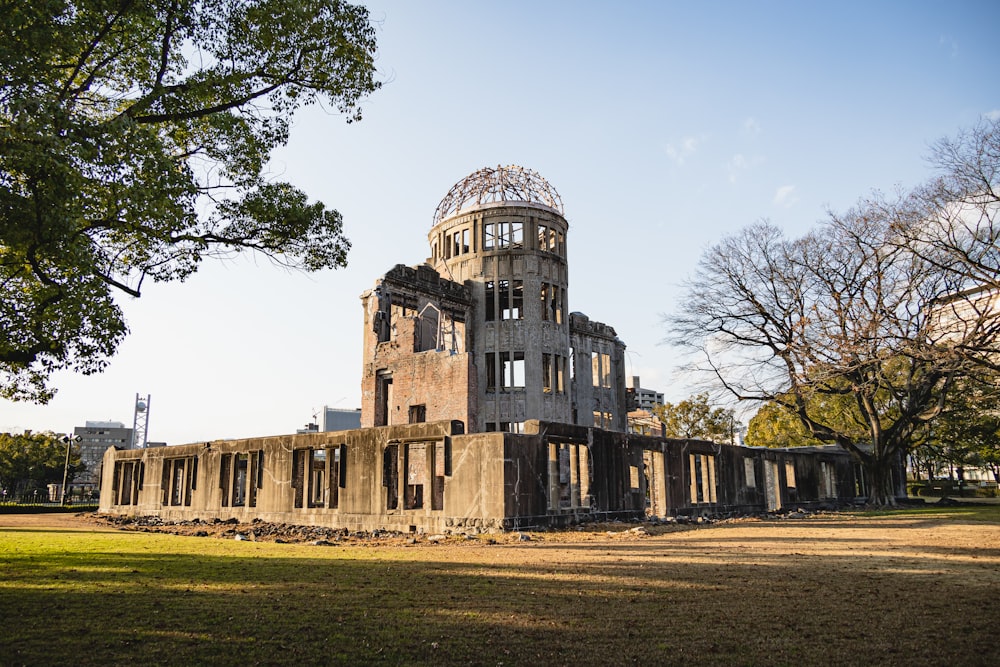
(644, 422)
(334, 419)
(95, 438)
(644, 399)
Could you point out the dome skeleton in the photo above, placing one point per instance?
(498, 185)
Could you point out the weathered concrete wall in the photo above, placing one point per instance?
(598, 390)
(432, 477)
(351, 490)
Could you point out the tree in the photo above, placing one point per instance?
(775, 425)
(32, 460)
(694, 418)
(855, 309)
(967, 433)
(133, 141)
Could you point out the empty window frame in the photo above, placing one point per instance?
(553, 370)
(790, 474)
(602, 419)
(427, 333)
(552, 297)
(547, 373)
(241, 476)
(126, 482)
(459, 242)
(416, 475)
(490, 300)
(702, 478)
(383, 397)
(418, 414)
(491, 371)
(601, 369)
(318, 474)
(180, 478)
(512, 364)
(827, 480)
(498, 235)
(317, 478)
(390, 476)
(548, 239)
(511, 299)
(425, 471)
(749, 472)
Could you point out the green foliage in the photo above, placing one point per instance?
(132, 141)
(694, 418)
(32, 460)
(777, 425)
(967, 432)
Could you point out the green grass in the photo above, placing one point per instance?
(985, 512)
(759, 593)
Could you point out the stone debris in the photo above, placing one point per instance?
(284, 533)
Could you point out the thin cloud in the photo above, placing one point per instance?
(950, 43)
(679, 154)
(785, 196)
(740, 163)
(992, 115)
(751, 127)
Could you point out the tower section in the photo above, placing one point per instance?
(502, 232)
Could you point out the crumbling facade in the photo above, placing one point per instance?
(486, 405)
(482, 332)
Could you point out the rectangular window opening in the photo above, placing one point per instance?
(418, 414)
(491, 372)
(513, 370)
(547, 373)
(390, 476)
(416, 475)
(489, 301)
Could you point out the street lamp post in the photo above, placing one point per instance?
(69, 440)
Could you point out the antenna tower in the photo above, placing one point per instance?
(140, 423)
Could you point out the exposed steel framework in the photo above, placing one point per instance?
(496, 185)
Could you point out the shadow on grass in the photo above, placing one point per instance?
(168, 600)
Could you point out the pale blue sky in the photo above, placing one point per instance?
(663, 125)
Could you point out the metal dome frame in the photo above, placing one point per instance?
(497, 185)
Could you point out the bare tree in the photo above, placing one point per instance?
(868, 307)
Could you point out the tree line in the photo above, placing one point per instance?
(29, 462)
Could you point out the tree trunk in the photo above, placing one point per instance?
(880, 491)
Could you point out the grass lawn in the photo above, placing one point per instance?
(913, 587)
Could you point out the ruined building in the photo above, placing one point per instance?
(486, 405)
(482, 332)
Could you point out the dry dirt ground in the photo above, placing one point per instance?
(797, 533)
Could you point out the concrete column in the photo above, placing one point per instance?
(553, 477)
(585, 476)
(574, 476)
